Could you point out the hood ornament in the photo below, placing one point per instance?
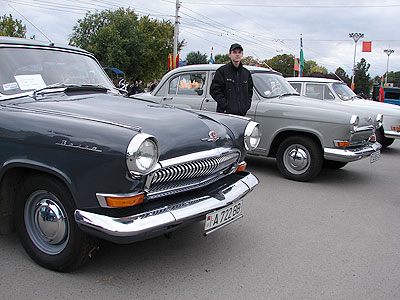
(212, 137)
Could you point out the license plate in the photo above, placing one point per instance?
(223, 216)
(375, 156)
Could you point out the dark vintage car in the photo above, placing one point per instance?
(80, 162)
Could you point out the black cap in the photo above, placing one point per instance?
(235, 46)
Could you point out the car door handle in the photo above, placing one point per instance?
(167, 98)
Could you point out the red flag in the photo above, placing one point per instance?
(381, 91)
(366, 47)
(176, 61)
(296, 64)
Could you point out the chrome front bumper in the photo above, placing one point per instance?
(392, 134)
(163, 219)
(348, 155)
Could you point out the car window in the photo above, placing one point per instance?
(343, 91)
(270, 85)
(314, 91)
(296, 86)
(328, 95)
(173, 85)
(392, 95)
(191, 84)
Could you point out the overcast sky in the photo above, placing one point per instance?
(264, 28)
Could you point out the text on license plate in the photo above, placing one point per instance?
(223, 215)
(375, 156)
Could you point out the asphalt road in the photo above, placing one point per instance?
(337, 237)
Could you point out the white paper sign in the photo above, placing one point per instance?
(10, 86)
(30, 82)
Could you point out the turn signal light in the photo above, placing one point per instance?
(241, 167)
(124, 201)
(396, 128)
(342, 143)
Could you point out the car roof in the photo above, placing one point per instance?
(211, 67)
(14, 41)
(313, 79)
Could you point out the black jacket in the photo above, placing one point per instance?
(232, 89)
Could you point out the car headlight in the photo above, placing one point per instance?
(142, 154)
(354, 121)
(252, 135)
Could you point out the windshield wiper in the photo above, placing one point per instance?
(71, 88)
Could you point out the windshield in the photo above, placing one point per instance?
(271, 85)
(23, 70)
(343, 91)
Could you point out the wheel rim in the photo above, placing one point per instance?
(296, 159)
(46, 222)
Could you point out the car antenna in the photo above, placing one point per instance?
(51, 42)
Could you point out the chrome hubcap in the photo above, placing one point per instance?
(46, 222)
(296, 159)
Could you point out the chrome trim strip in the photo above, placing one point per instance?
(169, 215)
(195, 156)
(392, 134)
(364, 128)
(349, 155)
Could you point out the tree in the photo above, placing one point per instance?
(342, 75)
(282, 63)
(222, 58)
(250, 61)
(119, 39)
(11, 27)
(362, 80)
(194, 58)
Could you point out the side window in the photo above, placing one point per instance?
(173, 84)
(191, 84)
(328, 95)
(296, 86)
(314, 91)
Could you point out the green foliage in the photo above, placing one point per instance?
(362, 80)
(394, 77)
(138, 47)
(11, 27)
(282, 63)
(342, 74)
(250, 61)
(222, 58)
(194, 58)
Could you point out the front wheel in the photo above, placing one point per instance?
(46, 227)
(384, 141)
(299, 158)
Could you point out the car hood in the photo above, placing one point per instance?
(377, 107)
(366, 117)
(179, 132)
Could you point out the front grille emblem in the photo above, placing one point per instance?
(212, 137)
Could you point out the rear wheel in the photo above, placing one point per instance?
(299, 158)
(45, 224)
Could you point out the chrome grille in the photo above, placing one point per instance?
(189, 175)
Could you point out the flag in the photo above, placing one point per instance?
(366, 47)
(211, 60)
(381, 91)
(301, 56)
(170, 64)
(176, 60)
(296, 64)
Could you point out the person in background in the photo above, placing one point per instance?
(232, 86)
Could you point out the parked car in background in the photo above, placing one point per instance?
(303, 134)
(333, 90)
(80, 162)
(391, 95)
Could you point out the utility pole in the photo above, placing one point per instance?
(388, 52)
(176, 30)
(356, 36)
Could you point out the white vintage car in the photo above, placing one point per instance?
(303, 134)
(333, 90)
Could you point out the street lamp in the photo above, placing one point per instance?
(356, 36)
(388, 52)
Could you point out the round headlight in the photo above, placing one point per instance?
(252, 135)
(142, 154)
(354, 121)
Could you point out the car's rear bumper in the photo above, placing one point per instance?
(188, 209)
(349, 155)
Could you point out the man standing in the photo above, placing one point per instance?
(232, 86)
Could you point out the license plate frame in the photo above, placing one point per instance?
(374, 157)
(223, 216)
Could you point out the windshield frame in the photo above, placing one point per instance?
(107, 81)
(347, 88)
